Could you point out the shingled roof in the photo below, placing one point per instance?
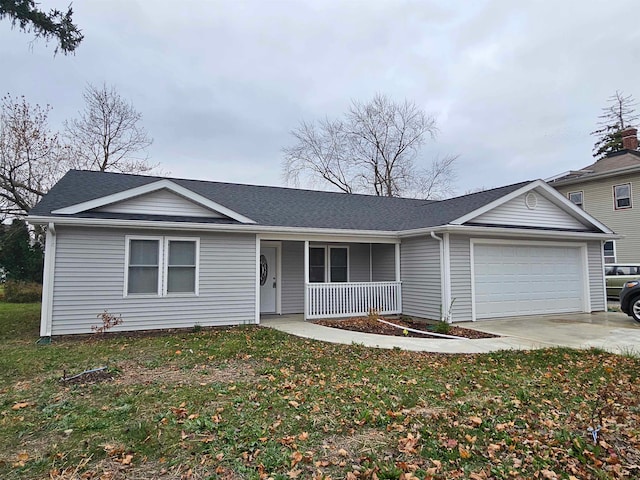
(274, 206)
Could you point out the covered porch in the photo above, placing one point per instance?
(319, 278)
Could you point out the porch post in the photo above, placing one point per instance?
(306, 279)
(397, 262)
(399, 288)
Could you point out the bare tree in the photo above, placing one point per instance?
(107, 136)
(31, 156)
(373, 149)
(616, 117)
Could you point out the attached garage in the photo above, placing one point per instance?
(528, 278)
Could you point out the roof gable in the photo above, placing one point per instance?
(533, 205)
(161, 202)
(119, 201)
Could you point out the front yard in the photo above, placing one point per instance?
(255, 403)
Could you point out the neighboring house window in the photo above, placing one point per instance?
(577, 198)
(609, 251)
(161, 266)
(622, 196)
(328, 264)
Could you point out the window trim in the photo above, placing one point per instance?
(165, 272)
(581, 204)
(615, 197)
(163, 266)
(615, 256)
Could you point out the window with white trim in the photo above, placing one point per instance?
(622, 196)
(328, 264)
(609, 251)
(577, 198)
(161, 266)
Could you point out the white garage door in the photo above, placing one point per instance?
(512, 280)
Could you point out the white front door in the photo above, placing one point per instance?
(268, 280)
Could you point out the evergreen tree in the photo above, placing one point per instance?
(19, 257)
(55, 24)
(618, 116)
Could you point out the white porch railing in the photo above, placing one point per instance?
(331, 300)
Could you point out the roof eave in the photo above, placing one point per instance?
(589, 177)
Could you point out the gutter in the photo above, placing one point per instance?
(445, 275)
(589, 177)
(389, 235)
(46, 314)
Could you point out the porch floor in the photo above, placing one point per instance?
(295, 325)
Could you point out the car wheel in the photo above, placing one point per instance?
(634, 309)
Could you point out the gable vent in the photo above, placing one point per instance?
(531, 201)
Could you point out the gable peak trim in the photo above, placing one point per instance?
(164, 184)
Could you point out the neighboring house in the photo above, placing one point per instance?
(609, 189)
(167, 253)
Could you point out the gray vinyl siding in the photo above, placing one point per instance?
(384, 262)
(161, 202)
(359, 270)
(421, 278)
(292, 295)
(545, 214)
(460, 268)
(598, 202)
(596, 277)
(89, 278)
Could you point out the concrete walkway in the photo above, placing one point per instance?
(614, 332)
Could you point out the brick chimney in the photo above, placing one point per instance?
(630, 139)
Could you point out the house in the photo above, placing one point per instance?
(609, 190)
(169, 253)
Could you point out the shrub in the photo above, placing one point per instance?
(442, 327)
(22, 292)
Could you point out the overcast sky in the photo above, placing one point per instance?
(516, 87)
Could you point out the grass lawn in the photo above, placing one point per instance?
(255, 403)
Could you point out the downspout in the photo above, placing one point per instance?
(445, 286)
(46, 315)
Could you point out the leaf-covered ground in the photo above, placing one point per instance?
(255, 403)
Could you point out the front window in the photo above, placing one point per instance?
(339, 264)
(316, 265)
(328, 264)
(577, 198)
(181, 266)
(144, 264)
(161, 266)
(622, 196)
(609, 251)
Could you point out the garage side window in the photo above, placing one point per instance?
(143, 267)
(181, 266)
(622, 196)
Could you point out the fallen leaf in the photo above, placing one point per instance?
(20, 405)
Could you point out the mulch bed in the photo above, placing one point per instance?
(370, 325)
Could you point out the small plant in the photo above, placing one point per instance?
(373, 314)
(197, 328)
(442, 327)
(108, 321)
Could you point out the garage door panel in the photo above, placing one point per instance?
(512, 280)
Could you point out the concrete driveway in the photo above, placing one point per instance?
(611, 331)
(614, 332)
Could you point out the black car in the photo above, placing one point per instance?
(630, 299)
